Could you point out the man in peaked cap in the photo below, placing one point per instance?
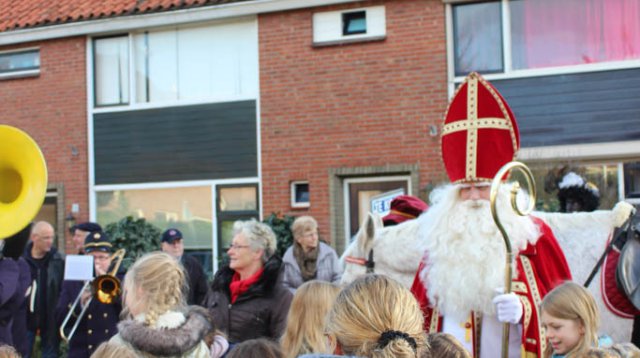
(403, 208)
(80, 232)
(99, 322)
(173, 245)
(460, 280)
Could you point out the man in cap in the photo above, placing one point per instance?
(81, 231)
(403, 208)
(100, 320)
(461, 277)
(173, 245)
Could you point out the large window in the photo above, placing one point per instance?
(603, 176)
(178, 64)
(544, 33)
(188, 209)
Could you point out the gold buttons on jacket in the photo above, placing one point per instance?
(106, 331)
(105, 315)
(90, 346)
(89, 332)
(89, 316)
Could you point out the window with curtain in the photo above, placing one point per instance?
(111, 70)
(546, 33)
(477, 35)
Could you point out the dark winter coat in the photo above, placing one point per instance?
(174, 334)
(261, 311)
(43, 316)
(96, 326)
(197, 280)
(15, 279)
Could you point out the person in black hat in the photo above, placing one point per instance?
(81, 231)
(575, 194)
(173, 245)
(99, 321)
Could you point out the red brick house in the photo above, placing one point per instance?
(193, 114)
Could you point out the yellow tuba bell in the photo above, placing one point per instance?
(23, 180)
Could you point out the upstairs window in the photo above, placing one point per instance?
(19, 63)
(543, 34)
(111, 56)
(200, 63)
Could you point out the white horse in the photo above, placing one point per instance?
(396, 252)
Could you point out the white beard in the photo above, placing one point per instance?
(465, 251)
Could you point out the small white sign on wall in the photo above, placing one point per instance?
(381, 203)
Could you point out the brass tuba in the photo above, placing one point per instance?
(23, 180)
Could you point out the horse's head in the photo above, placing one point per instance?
(358, 257)
(393, 251)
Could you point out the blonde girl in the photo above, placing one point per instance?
(375, 316)
(159, 323)
(305, 323)
(570, 318)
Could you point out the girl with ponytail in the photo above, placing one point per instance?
(375, 316)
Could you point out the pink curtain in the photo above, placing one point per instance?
(568, 32)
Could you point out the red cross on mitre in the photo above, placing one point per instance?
(480, 133)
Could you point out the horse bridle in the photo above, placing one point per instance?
(369, 264)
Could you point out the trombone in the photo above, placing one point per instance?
(105, 288)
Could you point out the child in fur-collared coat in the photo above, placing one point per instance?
(160, 324)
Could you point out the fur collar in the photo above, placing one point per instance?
(175, 333)
(265, 285)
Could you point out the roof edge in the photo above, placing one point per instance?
(132, 22)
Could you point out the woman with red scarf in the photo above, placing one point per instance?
(247, 298)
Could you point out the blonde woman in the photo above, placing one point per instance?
(375, 316)
(160, 324)
(247, 299)
(308, 258)
(305, 322)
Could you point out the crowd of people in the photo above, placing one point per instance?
(262, 305)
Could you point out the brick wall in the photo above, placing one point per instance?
(356, 105)
(52, 108)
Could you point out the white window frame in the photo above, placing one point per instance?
(328, 26)
(293, 192)
(23, 73)
(509, 72)
(347, 203)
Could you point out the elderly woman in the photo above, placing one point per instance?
(309, 259)
(247, 299)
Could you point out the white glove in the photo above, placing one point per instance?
(508, 308)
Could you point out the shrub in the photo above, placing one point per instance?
(137, 236)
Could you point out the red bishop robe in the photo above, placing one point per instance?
(540, 268)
